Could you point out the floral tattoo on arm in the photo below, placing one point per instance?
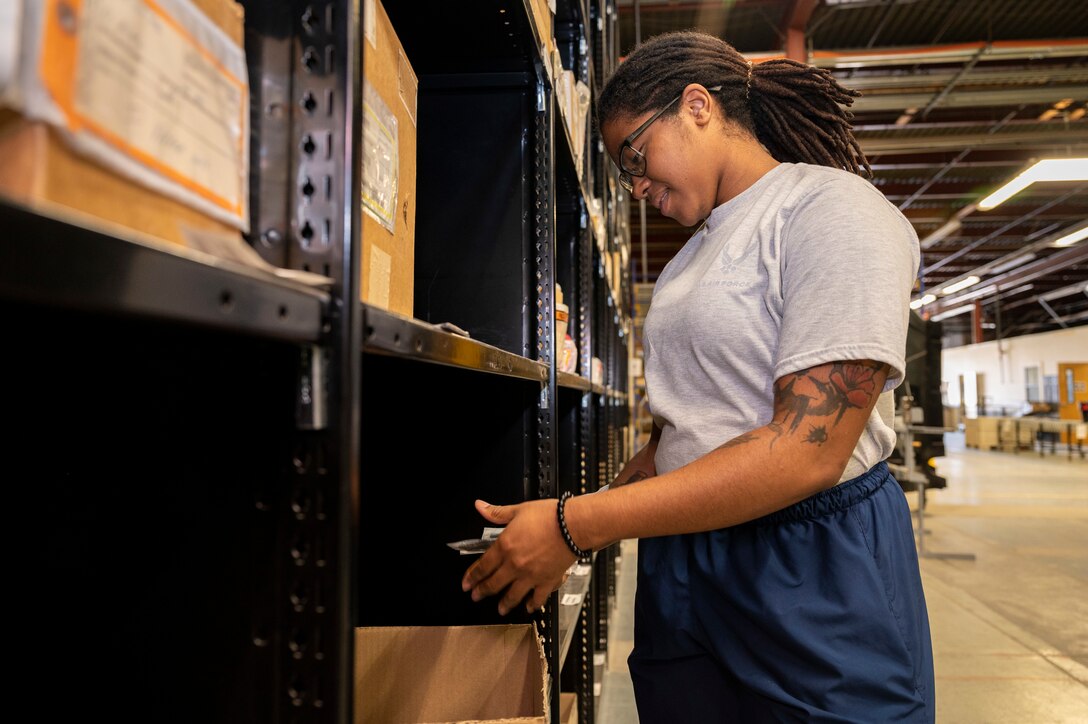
(819, 397)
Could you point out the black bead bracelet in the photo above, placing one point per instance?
(582, 555)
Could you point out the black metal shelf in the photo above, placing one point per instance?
(573, 381)
(487, 36)
(391, 334)
(67, 260)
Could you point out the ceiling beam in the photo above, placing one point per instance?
(1047, 139)
(885, 80)
(797, 16)
(871, 102)
(951, 53)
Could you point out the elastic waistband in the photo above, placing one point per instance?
(832, 500)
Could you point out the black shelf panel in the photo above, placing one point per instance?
(484, 36)
(391, 334)
(65, 262)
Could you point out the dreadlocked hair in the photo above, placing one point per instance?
(795, 110)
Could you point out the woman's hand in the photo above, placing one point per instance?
(526, 562)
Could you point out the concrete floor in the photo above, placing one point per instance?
(1010, 628)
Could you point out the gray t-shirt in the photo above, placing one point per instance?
(809, 265)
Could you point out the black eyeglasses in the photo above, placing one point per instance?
(632, 161)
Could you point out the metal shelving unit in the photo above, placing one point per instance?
(242, 423)
(66, 260)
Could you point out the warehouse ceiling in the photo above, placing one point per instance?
(959, 96)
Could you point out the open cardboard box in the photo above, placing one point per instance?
(441, 675)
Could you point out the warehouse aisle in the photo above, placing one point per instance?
(1010, 629)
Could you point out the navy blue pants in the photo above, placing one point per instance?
(811, 614)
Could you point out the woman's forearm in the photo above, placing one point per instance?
(748, 477)
(819, 414)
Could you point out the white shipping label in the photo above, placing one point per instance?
(571, 599)
(144, 85)
(380, 159)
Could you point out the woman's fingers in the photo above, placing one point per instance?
(480, 570)
(515, 594)
(538, 598)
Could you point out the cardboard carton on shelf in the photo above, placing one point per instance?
(74, 136)
(438, 674)
(568, 708)
(542, 11)
(389, 168)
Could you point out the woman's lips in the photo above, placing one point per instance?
(662, 200)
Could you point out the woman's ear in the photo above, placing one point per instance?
(696, 101)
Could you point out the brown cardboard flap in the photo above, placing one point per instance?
(417, 675)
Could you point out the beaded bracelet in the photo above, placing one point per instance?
(582, 555)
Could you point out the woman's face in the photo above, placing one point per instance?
(678, 147)
(695, 158)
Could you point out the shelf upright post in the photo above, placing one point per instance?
(542, 254)
(306, 61)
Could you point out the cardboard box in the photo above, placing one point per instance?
(438, 675)
(542, 18)
(41, 169)
(568, 708)
(389, 167)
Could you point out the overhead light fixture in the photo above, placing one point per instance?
(988, 289)
(988, 293)
(946, 229)
(1072, 237)
(952, 313)
(1064, 291)
(1012, 263)
(960, 285)
(1054, 169)
(923, 301)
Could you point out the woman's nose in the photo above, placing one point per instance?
(640, 189)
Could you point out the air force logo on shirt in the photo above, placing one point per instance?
(734, 267)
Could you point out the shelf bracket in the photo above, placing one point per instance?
(311, 400)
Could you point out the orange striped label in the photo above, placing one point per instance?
(156, 95)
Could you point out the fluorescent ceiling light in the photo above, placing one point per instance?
(961, 284)
(923, 301)
(949, 227)
(1064, 291)
(989, 289)
(1012, 263)
(952, 312)
(1054, 169)
(1072, 238)
(988, 293)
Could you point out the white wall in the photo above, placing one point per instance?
(1004, 368)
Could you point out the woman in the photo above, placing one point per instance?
(778, 579)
